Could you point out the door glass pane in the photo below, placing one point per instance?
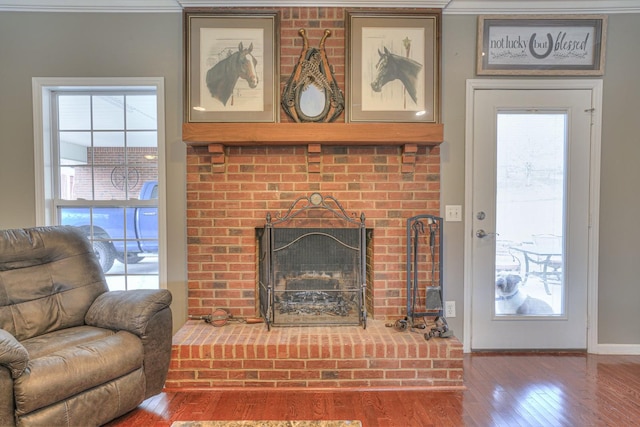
(531, 159)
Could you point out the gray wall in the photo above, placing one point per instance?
(131, 45)
(90, 45)
(619, 281)
(619, 286)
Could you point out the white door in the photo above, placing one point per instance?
(529, 217)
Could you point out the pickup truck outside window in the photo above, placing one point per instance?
(119, 232)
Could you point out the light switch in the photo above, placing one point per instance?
(453, 213)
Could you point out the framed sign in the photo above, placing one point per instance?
(541, 45)
(393, 66)
(231, 68)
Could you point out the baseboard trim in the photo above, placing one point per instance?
(630, 349)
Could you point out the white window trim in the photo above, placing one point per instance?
(42, 88)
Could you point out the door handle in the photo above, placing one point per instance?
(482, 234)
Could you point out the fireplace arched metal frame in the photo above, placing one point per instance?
(312, 265)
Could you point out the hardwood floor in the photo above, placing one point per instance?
(532, 389)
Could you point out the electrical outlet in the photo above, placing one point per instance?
(449, 309)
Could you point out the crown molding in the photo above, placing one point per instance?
(431, 4)
(146, 6)
(461, 7)
(497, 7)
(150, 6)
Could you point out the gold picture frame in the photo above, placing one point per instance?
(407, 42)
(231, 67)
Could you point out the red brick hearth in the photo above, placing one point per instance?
(240, 355)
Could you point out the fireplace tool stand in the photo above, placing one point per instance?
(425, 232)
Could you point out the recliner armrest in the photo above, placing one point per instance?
(127, 310)
(13, 355)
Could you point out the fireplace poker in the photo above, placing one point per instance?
(221, 316)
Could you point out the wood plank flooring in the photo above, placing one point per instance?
(514, 390)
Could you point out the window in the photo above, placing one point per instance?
(101, 172)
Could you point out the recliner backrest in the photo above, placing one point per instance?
(49, 277)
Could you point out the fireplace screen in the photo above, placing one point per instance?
(312, 266)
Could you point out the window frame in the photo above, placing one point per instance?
(43, 89)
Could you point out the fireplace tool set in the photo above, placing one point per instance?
(424, 231)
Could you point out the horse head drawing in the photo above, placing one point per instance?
(222, 78)
(391, 67)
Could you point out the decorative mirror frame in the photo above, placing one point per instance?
(312, 71)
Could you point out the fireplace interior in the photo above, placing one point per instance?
(312, 265)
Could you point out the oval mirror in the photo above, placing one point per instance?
(312, 101)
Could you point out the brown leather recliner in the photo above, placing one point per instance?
(73, 353)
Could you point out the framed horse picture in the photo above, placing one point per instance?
(393, 66)
(231, 67)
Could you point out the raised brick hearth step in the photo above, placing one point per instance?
(241, 355)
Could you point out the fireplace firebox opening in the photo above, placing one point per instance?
(312, 265)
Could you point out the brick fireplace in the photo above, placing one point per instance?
(226, 203)
(231, 188)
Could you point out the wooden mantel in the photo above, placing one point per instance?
(236, 134)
